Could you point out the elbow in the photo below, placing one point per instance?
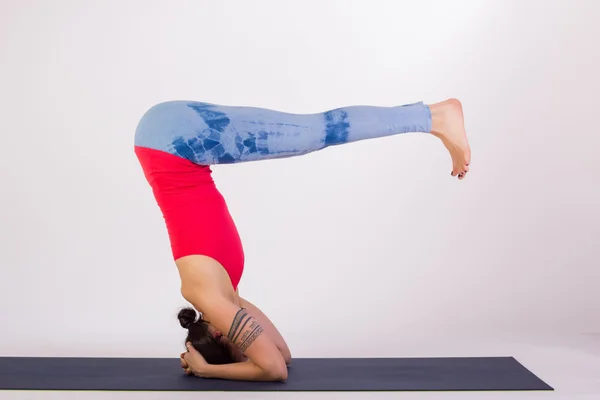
(278, 376)
(286, 354)
(277, 373)
(287, 358)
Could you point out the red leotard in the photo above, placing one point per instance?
(196, 214)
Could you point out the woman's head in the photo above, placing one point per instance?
(212, 344)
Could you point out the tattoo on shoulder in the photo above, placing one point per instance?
(244, 330)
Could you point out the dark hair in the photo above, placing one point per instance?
(213, 351)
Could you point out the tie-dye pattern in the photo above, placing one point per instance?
(209, 134)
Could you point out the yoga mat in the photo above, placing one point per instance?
(305, 374)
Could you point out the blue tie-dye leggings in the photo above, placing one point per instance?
(209, 134)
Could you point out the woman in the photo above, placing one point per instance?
(177, 141)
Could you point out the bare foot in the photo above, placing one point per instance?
(447, 123)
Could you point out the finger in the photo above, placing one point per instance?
(191, 349)
(182, 359)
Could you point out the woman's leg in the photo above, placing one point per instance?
(209, 134)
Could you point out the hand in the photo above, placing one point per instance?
(184, 364)
(192, 361)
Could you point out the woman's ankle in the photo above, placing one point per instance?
(439, 115)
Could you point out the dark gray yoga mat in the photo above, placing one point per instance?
(305, 374)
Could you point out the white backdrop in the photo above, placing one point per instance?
(353, 250)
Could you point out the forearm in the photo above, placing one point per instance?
(241, 371)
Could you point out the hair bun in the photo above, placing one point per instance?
(186, 316)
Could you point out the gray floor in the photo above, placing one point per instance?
(570, 364)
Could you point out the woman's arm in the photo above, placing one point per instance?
(269, 328)
(246, 370)
(265, 360)
(194, 364)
